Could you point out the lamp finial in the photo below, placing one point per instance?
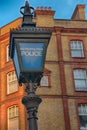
(27, 11)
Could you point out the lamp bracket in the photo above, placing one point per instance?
(31, 81)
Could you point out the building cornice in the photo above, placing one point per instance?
(70, 30)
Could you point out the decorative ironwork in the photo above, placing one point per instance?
(31, 87)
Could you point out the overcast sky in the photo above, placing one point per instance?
(10, 9)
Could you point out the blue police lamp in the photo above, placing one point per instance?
(28, 46)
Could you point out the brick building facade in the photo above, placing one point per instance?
(64, 86)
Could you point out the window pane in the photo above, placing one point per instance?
(82, 109)
(80, 79)
(80, 85)
(80, 74)
(76, 53)
(83, 122)
(13, 124)
(44, 81)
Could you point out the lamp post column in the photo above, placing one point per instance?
(31, 102)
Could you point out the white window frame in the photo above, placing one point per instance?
(82, 111)
(12, 116)
(13, 111)
(12, 84)
(7, 54)
(44, 81)
(76, 48)
(80, 79)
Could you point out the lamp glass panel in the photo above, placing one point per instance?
(16, 63)
(32, 55)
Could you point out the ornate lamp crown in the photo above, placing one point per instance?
(27, 12)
